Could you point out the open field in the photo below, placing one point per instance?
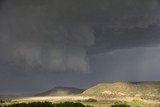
(51, 99)
(134, 102)
(80, 98)
(137, 94)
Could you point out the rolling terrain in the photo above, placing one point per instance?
(143, 90)
(143, 94)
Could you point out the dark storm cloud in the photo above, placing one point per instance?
(111, 39)
(65, 36)
(55, 34)
(1, 1)
(33, 34)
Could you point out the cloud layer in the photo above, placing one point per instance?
(33, 36)
(44, 40)
(58, 34)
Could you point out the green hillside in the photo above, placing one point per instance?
(62, 91)
(145, 90)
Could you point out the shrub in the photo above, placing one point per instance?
(70, 104)
(91, 100)
(120, 105)
(138, 103)
(47, 104)
(34, 104)
(2, 101)
(5, 100)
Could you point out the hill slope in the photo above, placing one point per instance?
(62, 91)
(146, 90)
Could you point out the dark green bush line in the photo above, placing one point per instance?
(120, 105)
(47, 104)
(90, 100)
(5, 100)
(34, 104)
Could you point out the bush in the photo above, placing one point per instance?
(34, 104)
(2, 101)
(138, 103)
(5, 100)
(91, 100)
(69, 104)
(120, 105)
(47, 104)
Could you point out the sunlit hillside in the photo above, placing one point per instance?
(144, 90)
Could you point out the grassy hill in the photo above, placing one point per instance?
(62, 91)
(145, 90)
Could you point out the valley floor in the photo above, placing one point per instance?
(134, 102)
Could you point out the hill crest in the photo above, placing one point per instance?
(61, 91)
(149, 90)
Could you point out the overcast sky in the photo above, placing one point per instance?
(77, 43)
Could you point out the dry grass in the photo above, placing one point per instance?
(143, 90)
(56, 99)
(134, 102)
(52, 99)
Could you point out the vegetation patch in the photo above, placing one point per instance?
(91, 100)
(47, 104)
(138, 103)
(143, 90)
(120, 105)
(5, 100)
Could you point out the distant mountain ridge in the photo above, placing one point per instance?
(144, 90)
(147, 90)
(61, 91)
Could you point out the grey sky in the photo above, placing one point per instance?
(77, 43)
